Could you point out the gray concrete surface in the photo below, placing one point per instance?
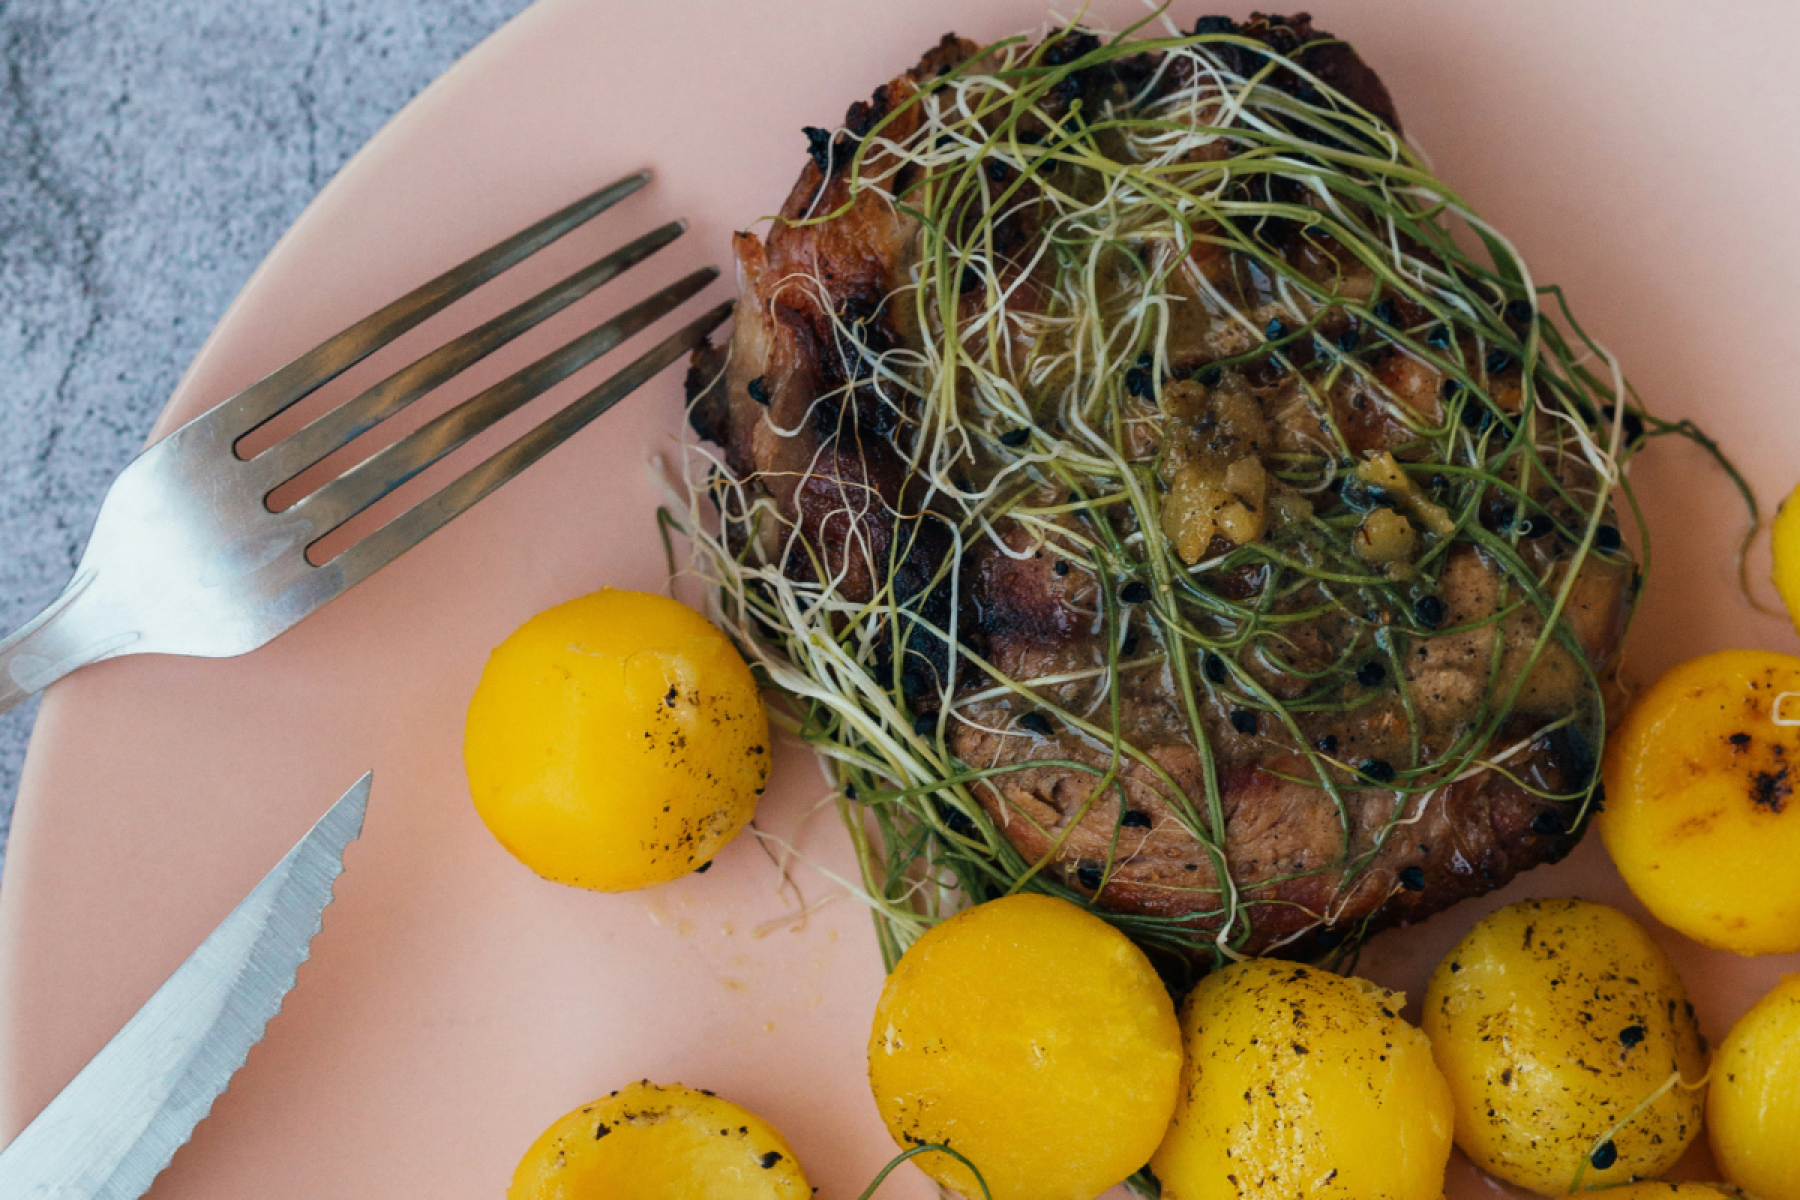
(150, 156)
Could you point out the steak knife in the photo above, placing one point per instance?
(116, 1126)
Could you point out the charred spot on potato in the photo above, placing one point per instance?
(1770, 790)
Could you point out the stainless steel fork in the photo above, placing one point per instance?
(187, 555)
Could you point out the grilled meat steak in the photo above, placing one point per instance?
(1317, 838)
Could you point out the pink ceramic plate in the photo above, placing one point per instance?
(1639, 153)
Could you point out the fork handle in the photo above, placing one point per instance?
(52, 644)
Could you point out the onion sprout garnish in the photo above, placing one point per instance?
(1045, 417)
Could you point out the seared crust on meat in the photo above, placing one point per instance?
(1235, 765)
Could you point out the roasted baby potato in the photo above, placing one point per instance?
(1302, 1084)
(1032, 1038)
(1658, 1190)
(1753, 1105)
(1784, 540)
(1554, 1021)
(1701, 816)
(651, 1142)
(616, 741)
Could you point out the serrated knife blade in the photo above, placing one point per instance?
(116, 1126)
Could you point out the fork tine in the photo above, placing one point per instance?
(354, 417)
(413, 526)
(325, 362)
(386, 470)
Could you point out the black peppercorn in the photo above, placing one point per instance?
(1133, 819)
(1537, 526)
(1088, 874)
(1412, 878)
(1430, 611)
(1015, 437)
(1548, 823)
(1129, 646)
(996, 170)
(1214, 667)
(1439, 337)
(1357, 494)
(1070, 46)
(1371, 674)
(759, 391)
(925, 724)
(1243, 720)
(970, 279)
(1520, 310)
(1607, 538)
(1386, 313)
(1497, 361)
(1604, 1155)
(1451, 389)
(1036, 722)
(957, 820)
(1137, 382)
(1061, 568)
(1326, 744)
(1135, 592)
(1346, 341)
(1377, 770)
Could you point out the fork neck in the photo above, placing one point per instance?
(49, 646)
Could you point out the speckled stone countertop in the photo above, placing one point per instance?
(150, 156)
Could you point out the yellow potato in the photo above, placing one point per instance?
(1784, 539)
(1700, 815)
(1753, 1106)
(1672, 1191)
(647, 1142)
(1553, 1020)
(1034, 1039)
(616, 741)
(1302, 1084)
